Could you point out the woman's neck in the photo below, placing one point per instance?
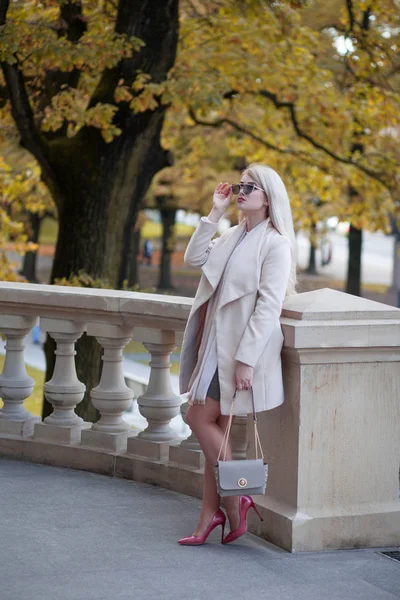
(254, 219)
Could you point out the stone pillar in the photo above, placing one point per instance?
(239, 438)
(64, 391)
(15, 384)
(333, 447)
(158, 404)
(111, 397)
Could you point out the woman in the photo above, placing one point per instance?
(233, 338)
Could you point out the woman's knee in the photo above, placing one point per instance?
(223, 421)
(190, 418)
(200, 415)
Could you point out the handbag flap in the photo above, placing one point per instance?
(241, 474)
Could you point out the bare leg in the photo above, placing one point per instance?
(208, 424)
(231, 503)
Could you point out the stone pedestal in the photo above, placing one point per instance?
(111, 397)
(64, 391)
(158, 404)
(184, 457)
(333, 447)
(15, 384)
(158, 451)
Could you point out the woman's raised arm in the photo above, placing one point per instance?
(201, 244)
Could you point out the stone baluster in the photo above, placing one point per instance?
(112, 397)
(15, 384)
(188, 453)
(64, 390)
(158, 404)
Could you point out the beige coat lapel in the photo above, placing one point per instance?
(244, 273)
(219, 256)
(212, 270)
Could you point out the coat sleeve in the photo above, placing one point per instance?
(274, 278)
(200, 243)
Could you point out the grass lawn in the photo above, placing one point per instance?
(150, 230)
(135, 346)
(175, 368)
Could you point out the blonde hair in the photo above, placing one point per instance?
(279, 210)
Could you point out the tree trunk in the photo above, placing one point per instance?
(354, 265)
(101, 186)
(98, 187)
(168, 221)
(132, 276)
(88, 238)
(312, 265)
(29, 262)
(396, 270)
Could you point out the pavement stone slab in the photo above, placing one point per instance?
(72, 535)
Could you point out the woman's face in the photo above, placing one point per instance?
(253, 202)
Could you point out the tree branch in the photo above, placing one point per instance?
(150, 22)
(350, 12)
(365, 23)
(225, 121)
(238, 127)
(4, 4)
(71, 25)
(377, 175)
(291, 108)
(21, 111)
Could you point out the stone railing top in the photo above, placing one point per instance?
(157, 310)
(331, 305)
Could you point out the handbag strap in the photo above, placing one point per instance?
(225, 438)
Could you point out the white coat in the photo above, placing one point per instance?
(247, 320)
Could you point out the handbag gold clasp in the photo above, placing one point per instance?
(242, 482)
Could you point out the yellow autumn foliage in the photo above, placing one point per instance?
(311, 88)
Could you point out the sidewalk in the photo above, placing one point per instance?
(71, 535)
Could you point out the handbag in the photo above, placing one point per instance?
(238, 477)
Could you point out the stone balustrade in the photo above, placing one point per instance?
(333, 447)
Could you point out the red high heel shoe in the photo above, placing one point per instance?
(245, 503)
(196, 540)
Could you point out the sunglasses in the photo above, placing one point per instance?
(246, 187)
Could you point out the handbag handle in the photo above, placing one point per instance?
(257, 442)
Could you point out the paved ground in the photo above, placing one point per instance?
(70, 535)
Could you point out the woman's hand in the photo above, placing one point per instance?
(243, 376)
(222, 197)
